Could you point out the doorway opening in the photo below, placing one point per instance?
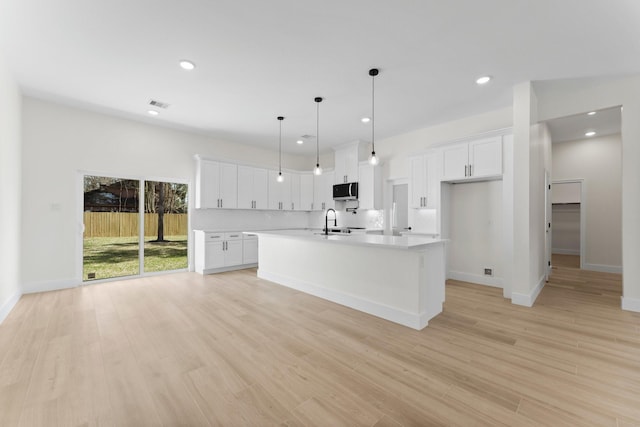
(586, 218)
(132, 227)
(567, 219)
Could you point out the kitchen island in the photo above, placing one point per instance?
(397, 278)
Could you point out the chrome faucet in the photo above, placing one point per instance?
(326, 220)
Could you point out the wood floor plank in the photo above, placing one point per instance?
(234, 350)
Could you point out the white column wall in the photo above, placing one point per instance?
(10, 164)
(522, 119)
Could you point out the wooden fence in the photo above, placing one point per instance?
(124, 224)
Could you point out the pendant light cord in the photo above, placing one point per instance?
(280, 147)
(373, 108)
(318, 130)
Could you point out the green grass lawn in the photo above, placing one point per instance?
(118, 256)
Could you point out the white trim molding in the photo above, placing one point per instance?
(529, 299)
(602, 268)
(53, 285)
(631, 304)
(415, 321)
(6, 308)
(495, 282)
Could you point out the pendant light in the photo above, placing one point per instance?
(280, 177)
(373, 160)
(318, 169)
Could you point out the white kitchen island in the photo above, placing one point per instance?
(398, 278)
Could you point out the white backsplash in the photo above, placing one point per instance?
(423, 220)
(364, 218)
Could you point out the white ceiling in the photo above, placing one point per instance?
(259, 59)
(573, 128)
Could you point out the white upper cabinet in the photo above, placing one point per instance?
(306, 192)
(485, 157)
(369, 186)
(346, 163)
(295, 191)
(216, 185)
(455, 161)
(279, 192)
(424, 181)
(252, 188)
(476, 159)
(323, 191)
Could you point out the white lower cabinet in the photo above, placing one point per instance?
(220, 251)
(250, 250)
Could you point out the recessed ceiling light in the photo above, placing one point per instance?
(300, 142)
(483, 80)
(591, 113)
(153, 112)
(365, 119)
(590, 133)
(187, 65)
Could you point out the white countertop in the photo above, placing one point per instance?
(356, 239)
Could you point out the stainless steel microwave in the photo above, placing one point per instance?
(347, 191)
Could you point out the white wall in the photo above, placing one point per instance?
(59, 141)
(475, 232)
(540, 163)
(598, 161)
(531, 163)
(10, 163)
(568, 97)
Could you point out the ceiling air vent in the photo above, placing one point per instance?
(159, 104)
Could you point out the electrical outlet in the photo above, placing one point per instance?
(488, 272)
(91, 276)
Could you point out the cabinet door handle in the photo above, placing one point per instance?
(469, 170)
(465, 169)
(292, 206)
(220, 202)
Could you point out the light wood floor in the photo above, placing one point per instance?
(232, 350)
(568, 261)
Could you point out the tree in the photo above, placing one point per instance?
(160, 211)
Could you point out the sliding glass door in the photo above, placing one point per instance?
(133, 227)
(165, 226)
(111, 228)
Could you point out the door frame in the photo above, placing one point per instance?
(80, 174)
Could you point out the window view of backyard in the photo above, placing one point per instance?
(112, 227)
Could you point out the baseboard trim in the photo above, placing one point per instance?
(495, 282)
(8, 305)
(225, 269)
(602, 268)
(54, 285)
(559, 251)
(528, 299)
(631, 304)
(414, 321)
